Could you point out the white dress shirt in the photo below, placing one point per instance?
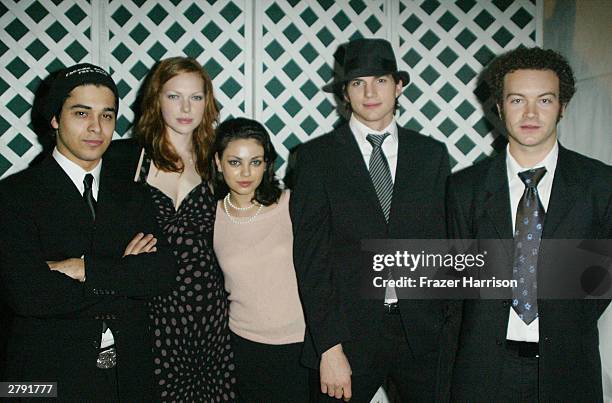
(517, 329)
(76, 175)
(389, 148)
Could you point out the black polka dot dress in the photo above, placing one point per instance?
(193, 361)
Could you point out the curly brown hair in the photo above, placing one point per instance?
(150, 128)
(532, 59)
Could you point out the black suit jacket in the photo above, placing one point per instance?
(58, 323)
(333, 207)
(580, 207)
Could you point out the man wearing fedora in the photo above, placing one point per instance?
(368, 179)
(75, 264)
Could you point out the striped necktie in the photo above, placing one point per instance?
(380, 173)
(383, 184)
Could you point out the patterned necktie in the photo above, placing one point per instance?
(527, 234)
(380, 173)
(88, 195)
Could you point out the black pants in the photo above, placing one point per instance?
(518, 382)
(519, 379)
(106, 383)
(269, 373)
(413, 378)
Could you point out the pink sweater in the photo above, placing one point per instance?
(257, 263)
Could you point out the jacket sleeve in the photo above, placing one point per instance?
(311, 217)
(457, 220)
(143, 275)
(606, 226)
(444, 172)
(29, 287)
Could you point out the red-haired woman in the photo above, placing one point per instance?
(193, 358)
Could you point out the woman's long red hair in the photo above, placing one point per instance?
(150, 128)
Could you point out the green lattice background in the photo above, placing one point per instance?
(37, 38)
(445, 45)
(268, 59)
(143, 32)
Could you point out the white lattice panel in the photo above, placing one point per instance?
(37, 38)
(144, 32)
(299, 40)
(445, 46)
(268, 59)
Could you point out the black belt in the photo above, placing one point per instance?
(523, 348)
(392, 308)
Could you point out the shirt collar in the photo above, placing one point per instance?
(361, 131)
(549, 162)
(75, 172)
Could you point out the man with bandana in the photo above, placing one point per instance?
(79, 254)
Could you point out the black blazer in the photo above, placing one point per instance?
(58, 323)
(580, 207)
(333, 207)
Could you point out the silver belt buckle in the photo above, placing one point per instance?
(107, 358)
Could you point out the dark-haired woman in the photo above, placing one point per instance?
(192, 351)
(253, 241)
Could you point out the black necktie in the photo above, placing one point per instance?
(380, 173)
(527, 234)
(88, 194)
(107, 356)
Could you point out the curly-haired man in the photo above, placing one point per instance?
(527, 348)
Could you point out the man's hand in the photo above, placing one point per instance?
(335, 373)
(141, 243)
(73, 268)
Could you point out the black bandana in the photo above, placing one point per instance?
(71, 77)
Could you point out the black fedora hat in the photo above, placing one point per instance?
(366, 57)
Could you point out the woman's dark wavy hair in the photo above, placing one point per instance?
(532, 59)
(268, 191)
(150, 127)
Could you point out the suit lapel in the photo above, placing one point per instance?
(57, 183)
(57, 187)
(562, 199)
(356, 172)
(563, 194)
(112, 191)
(496, 210)
(496, 202)
(409, 178)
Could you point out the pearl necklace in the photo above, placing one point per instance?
(233, 219)
(229, 201)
